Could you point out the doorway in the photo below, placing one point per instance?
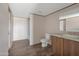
(20, 28)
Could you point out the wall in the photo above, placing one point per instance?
(52, 20)
(31, 30)
(4, 28)
(52, 24)
(37, 26)
(20, 28)
(10, 29)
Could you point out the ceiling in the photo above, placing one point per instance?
(25, 9)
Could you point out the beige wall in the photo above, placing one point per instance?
(52, 24)
(37, 29)
(52, 20)
(4, 29)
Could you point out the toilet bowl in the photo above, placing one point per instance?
(44, 41)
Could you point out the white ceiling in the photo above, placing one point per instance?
(25, 9)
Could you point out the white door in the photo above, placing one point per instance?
(20, 30)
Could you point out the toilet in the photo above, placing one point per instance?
(44, 41)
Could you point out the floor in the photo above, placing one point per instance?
(22, 48)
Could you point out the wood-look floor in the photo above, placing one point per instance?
(22, 48)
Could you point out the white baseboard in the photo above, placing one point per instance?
(3, 53)
(20, 39)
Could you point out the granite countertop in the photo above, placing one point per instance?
(67, 36)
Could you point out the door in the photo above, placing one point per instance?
(20, 29)
(57, 44)
(68, 47)
(75, 48)
(53, 43)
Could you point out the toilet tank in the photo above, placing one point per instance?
(47, 36)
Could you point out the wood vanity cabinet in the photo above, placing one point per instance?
(57, 44)
(64, 47)
(75, 51)
(71, 48)
(68, 47)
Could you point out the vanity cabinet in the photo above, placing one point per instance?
(64, 47)
(71, 48)
(68, 47)
(75, 51)
(57, 44)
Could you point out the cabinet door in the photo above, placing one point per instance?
(53, 43)
(57, 44)
(67, 47)
(75, 49)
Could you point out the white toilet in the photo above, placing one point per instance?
(44, 41)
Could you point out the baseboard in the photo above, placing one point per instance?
(3, 53)
(36, 44)
(20, 39)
